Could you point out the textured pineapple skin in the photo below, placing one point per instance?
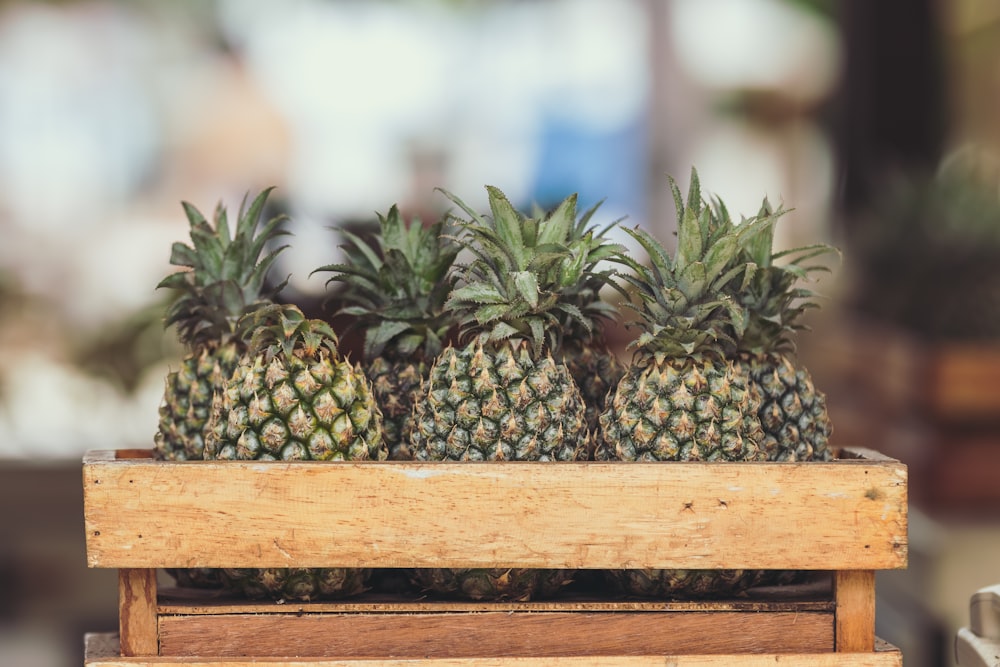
(596, 371)
(299, 583)
(796, 424)
(684, 584)
(187, 402)
(694, 408)
(508, 584)
(296, 409)
(793, 412)
(277, 409)
(184, 415)
(396, 385)
(478, 406)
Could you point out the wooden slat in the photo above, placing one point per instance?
(495, 634)
(798, 598)
(854, 594)
(137, 611)
(101, 651)
(848, 514)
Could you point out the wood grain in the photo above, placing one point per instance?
(102, 651)
(854, 594)
(845, 514)
(137, 612)
(496, 634)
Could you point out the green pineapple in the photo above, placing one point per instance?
(682, 397)
(395, 291)
(793, 413)
(225, 279)
(501, 395)
(292, 397)
(584, 349)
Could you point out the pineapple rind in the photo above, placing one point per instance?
(695, 408)
(396, 385)
(293, 398)
(682, 398)
(187, 402)
(596, 372)
(479, 406)
(793, 412)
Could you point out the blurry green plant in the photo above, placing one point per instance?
(123, 350)
(927, 258)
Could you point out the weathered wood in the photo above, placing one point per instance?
(102, 651)
(496, 634)
(845, 514)
(854, 594)
(137, 611)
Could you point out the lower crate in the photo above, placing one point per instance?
(796, 624)
(377, 626)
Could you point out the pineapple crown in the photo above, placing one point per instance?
(773, 297)
(528, 274)
(585, 293)
(225, 277)
(283, 329)
(396, 285)
(684, 304)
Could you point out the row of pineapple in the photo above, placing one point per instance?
(484, 340)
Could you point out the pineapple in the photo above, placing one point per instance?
(584, 350)
(292, 397)
(793, 413)
(226, 279)
(682, 397)
(501, 395)
(395, 290)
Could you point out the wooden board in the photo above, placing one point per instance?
(846, 514)
(102, 651)
(813, 595)
(496, 634)
(196, 622)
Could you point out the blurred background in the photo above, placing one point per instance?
(112, 113)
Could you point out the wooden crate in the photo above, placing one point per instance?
(933, 406)
(948, 382)
(848, 517)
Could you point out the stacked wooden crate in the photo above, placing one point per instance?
(933, 405)
(847, 517)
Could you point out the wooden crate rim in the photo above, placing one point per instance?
(843, 456)
(845, 514)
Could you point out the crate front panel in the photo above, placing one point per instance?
(845, 514)
(496, 633)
